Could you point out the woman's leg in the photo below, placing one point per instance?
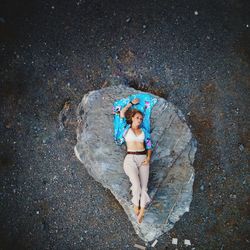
(144, 175)
(131, 170)
(144, 199)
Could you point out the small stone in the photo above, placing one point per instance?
(154, 243)
(174, 241)
(144, 26)
(202, 187)
(241, 148)
(233, 196)
(187, 242)
(139, 247)
(37, 212)
(128, 20)
(247, 25)
(196, 13)
(52, 7)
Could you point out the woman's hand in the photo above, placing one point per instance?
(146, 161)
(123, 111)
(135, 101)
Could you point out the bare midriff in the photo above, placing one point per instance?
(135, 146)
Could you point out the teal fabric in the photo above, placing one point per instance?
(147, 101)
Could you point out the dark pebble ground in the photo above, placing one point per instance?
(195, 54)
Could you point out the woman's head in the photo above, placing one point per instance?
(135, 117)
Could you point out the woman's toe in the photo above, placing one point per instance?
(139, 218)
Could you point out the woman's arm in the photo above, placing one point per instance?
(149, 153)
(147, 159)
(123, 111)
(148, 146)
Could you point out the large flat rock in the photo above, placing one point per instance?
(171, 172)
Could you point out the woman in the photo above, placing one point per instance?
(136, 162)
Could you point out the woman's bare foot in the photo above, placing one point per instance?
(140, 216)
(137, 210)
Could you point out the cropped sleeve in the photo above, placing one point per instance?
(147, 140)
(121, 130)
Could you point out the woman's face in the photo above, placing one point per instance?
(137, 119)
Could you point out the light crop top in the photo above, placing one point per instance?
(131, 136)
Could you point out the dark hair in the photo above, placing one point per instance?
(131, 113)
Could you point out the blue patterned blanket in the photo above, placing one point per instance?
(147, 101)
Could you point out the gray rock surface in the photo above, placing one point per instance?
(171, 172)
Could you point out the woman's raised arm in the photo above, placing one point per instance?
(123, 111)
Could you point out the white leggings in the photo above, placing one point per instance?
(138, 175)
